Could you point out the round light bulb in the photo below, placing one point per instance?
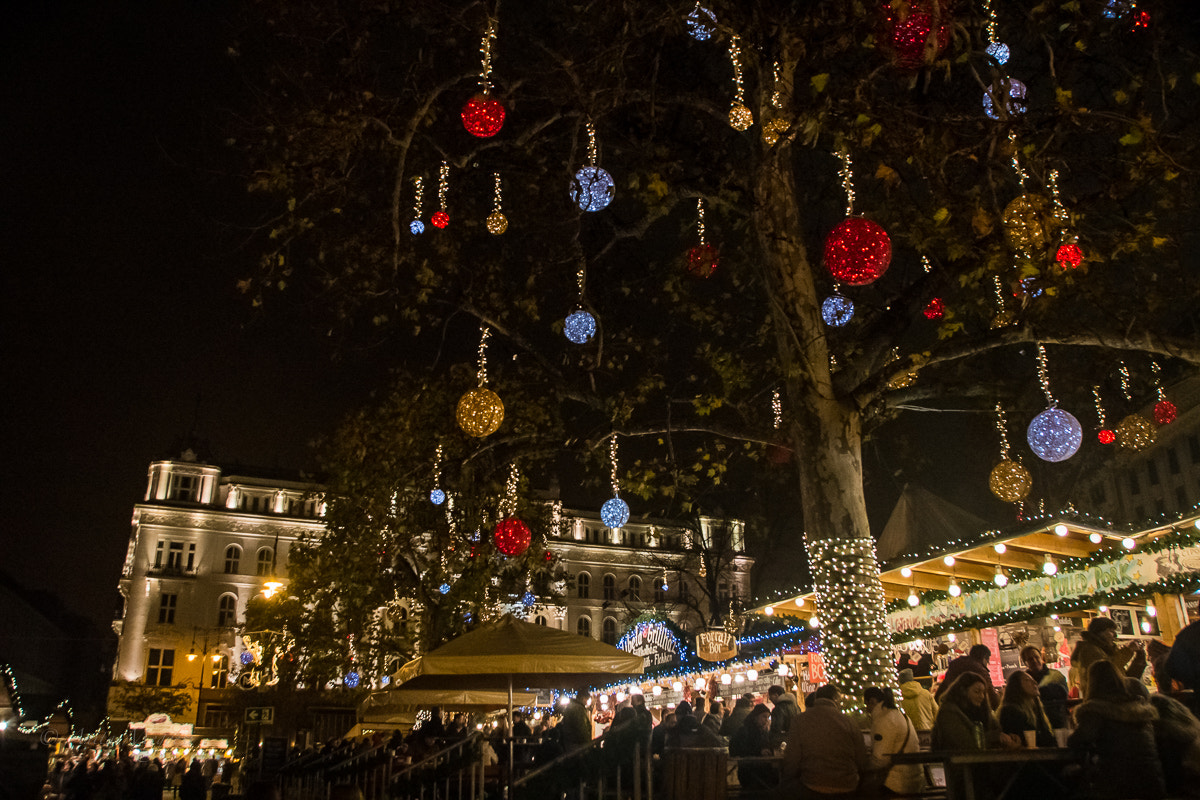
(739, 678)
(1128, 543)
(815, 621)
(769, 611)
(948, 561)
(677, 686)
(1103, 609)
(1049, 567)
(799, 602)
(1061, 530)
(1000, 580)
(1095, 538)
(955, 590)
(726, 679)
(913, 600)
(906, 572)
(1001, 548)
(656, 691)
(1151, 610)
(620, 696)
(952, 637)
(752, 674)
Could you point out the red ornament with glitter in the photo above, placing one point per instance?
(483, 116)
(1069, 255)
(440, 219)
(512, 537)
(916, 32)
(1165, 412)
(702, 261)
(1106, 436)
(935, 310)
(858, 251)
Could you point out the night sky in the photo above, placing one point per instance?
(126, 229)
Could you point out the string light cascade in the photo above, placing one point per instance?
(1164, 410)
(496, 222)
(480, 410)
(1069, 254)
(701, 23)
(1009, 480)
(995, 48)
(593, 188)
(915, 33)
(740, 116)
(579, 326)
(776, 126)
(776, 409)
(1105, 435)
(440, 218)
(702, 259)
(857, 251)
(436, 495)
(615, 511)
(483, 115)
(1054, 435)
(416, 227)
(511, 535)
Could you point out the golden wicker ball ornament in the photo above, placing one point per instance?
(774, 129)
(1135, 432)
(1010, 481)
(740, 117)
(497, 223)
(480, 412)
(1025, 221)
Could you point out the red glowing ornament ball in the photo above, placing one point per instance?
(1164, 412)
(702, 260)
(1069, 255)
(1140, 20)
(935, 310)
(483, 116)
(440, 219)
(915, 32)
(512, 537)
(1106, 436)
(858, 251)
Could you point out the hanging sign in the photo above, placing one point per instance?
(717, 645)
(654, 642)
(816, 669)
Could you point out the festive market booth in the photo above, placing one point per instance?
(1039, 585)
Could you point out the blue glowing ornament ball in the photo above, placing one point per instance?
(1054, 435)
(580, 326)
(592, 189)
(247, 658)
(351, 680)
(837, 310)
(529, 600)
(1011, 92)
(444, 588)
(416, 227)
(614, 513)
(999, 52)
(701, 23)
(437, 497)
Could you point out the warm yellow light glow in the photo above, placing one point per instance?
(677, 686)
(769, 611)
(1061, 530)
(1128, 543)
(656, 691)
(948, 561)
(752, 674)
(1000, 548)
(906, 572)
(271, 587)
(1095, 538)
(726, 679)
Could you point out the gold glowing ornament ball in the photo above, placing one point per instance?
(480, 412)
(1135, 432)
(1025, 223)
(740, 117)
(1010, 481)
(774, 129)
(497, 223)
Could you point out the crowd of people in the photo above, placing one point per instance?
(83, 777)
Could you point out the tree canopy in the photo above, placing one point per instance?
(884, 103)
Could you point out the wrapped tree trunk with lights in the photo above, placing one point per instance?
(711, 198)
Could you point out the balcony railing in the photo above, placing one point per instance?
(172, 571)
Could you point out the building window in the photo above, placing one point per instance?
(610, 587)
(660, 590)
(583, 585)
(1173, 462)
(1153, 469)
(610, 630)
(584, 626)
(183, 487)
(216, 716)
(159, 666)
(540, 620)
(635, 589)
(233, 555)
(219, 678)
(265, 558)
(166, 608)
(227, 612)
(175, 555)
(158, 554)
(191, 559)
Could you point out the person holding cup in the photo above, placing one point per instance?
(1022, 713)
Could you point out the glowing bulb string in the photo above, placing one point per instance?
(991, 21)
(776, 95)
(1001, 428)
(612, 454)
(1099, 407)
(484, 332)
(1044, 376)
(437, 468)
(443, 184)
(507, 507)
(1022, 176)
(496, 178)
(926, 265)
(777, 408)
(998, 287)
(735, 56)
(1123, 372)
(847, 174)
(419, 196)
(1158, 388)
(485, 49)
(700, 219)
(593, 150)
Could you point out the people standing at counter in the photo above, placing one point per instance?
(1099, 643)
(1115, 735)
(974, 662)
(783, 710)
(1022, 712)
(1052, 686)
(917, 701)
(964, 719)
(891, 733)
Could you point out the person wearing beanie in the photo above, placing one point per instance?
(784, 710)
(1099, 643)
(917, 701)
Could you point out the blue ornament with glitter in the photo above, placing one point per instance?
(837, 310)
(1012, 92)
(444, 588)
(529, 600)
(701, 23)
(580, 326)
(592, 189)
(416, 227)
(1054, 435)
(614, 513)
(247, 658)
(437, 497)
(351, 680)
(999, 52)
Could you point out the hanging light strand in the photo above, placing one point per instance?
(593, 150)
(700, 219)
(419, 196)
(443, 184)
(508, 504)
(485, 50)
(580, 279)
(1123, 372)
(1044, 376)
(1022, 176)
(777, 408)
(926, 265)
(1158, 388)
(437, 468)
(1099, 407)
(1002, 429)
(998, 287)
(612, 454)
(847, 174)
(484, 332)
(499, 199)
(735, 56)
(991, 21)
(776, 95)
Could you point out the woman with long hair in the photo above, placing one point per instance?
(1115, 734)
(1022, 712)
(964, 720)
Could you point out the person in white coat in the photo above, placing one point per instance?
(891, 733)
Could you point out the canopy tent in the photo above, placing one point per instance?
(378, 706)
(922, 521)
(512, 654)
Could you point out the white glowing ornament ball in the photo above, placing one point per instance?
(1054, 435)
(837, 310)
(656, 691)
(769, 611)
(913, 600)
(1095, 538)
(948, 561)
(1001, 580)
(752, 674)
(1001, 548)
(416, 227)
(726, 678)
(739, 678)
(1061, 530)
(1151, 610)
(592, 189)
(1128, 543)
(620, 697)
(999, 52)
(1049, 567)
(579, 326)
(815, 621)
(799, 602)
(906, 572)
(614, 513)
(677, 686)
(955, 590)
(701, 23)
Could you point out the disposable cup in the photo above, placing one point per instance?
(1060, 735)
(1031, 738)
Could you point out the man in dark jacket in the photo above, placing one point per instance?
(1052, 686)
(784, 710)
(1099, 643)
(976, 660)
(741, 710)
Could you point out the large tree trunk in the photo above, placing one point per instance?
(826, 435)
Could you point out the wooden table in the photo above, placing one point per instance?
(1047, 761)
